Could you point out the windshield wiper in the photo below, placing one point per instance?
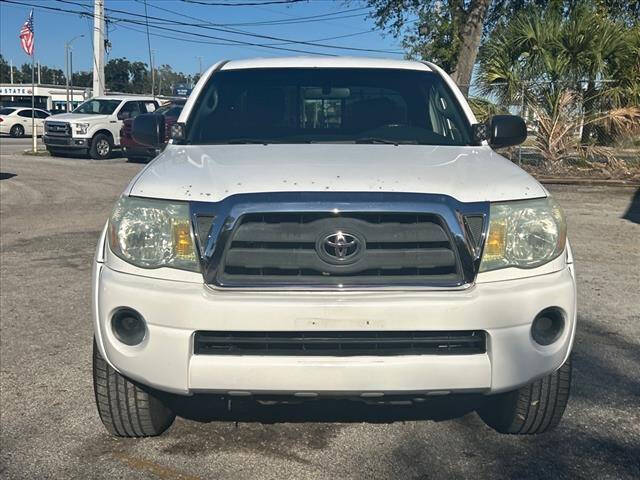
(385, 141)
(240, 141)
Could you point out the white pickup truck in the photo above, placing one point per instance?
(332, 228)
(94, 126)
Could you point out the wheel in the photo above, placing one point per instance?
(101, 147)
(126, 409)
(536, 408)
(16, 131)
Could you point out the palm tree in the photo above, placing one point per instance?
(569, 68)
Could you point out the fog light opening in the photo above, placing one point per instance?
(548, 326)
(128, 326)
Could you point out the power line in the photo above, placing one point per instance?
(241, 4)
(242, 32)
(200, 35)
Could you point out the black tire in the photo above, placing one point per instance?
(126, 409)
(536, 408)
(17, 131)
(101, 147)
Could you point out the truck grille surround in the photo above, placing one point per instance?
(342, 343)
(57, 129)
(339, 240)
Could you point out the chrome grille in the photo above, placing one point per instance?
(396, 247)
(57, 129)
(335, 240)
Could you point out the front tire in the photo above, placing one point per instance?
(101, 147)
(17, 131)
(535, 408)
(127, 410)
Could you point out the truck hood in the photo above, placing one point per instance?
(212, 173)
(77, 117)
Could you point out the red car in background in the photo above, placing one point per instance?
(136, 152)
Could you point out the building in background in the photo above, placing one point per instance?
(47, 97)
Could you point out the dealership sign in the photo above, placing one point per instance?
(182, 90)
(15, 90)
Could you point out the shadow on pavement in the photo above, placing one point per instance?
(6, 176)
(633, 212)
(207, 408)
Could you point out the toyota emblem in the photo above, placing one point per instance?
(340, 247)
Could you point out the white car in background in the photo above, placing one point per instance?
(94, 126)
(332, 227)
(16, 121)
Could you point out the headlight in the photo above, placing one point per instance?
(524, 234)
(82, 127)
(153, 233)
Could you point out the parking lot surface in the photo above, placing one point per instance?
(51, 212)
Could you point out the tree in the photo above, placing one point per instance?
(117, 74)
(83, 79)
(451, 32)
(140, 78)
(447, 32)
(5, 73)
(577, 70)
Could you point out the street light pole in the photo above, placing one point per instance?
(200, 64)
(71, 74)
(67, 48)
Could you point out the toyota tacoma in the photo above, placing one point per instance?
(334, 228)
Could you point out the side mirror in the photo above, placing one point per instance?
(148, 129)
(123, 115)
(501, 131)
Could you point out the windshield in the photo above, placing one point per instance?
(351, 105)
(7, 111)
(98, 107)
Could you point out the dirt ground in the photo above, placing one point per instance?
(51, 211)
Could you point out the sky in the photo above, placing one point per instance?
(339, 18)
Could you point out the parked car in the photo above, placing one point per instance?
(16, 121)
(132, 150)
(332, 227)
(94, 126)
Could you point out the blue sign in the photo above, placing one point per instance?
(182, 90)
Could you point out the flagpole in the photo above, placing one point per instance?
(34, 134)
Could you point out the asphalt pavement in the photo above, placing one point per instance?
(51, 212)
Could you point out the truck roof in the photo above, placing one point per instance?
(123, 97)
(325, 62)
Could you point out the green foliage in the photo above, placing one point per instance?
(483, 108)
(541, 52)
(430, 29)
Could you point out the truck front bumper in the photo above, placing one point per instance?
(175, 310)
(65, 142)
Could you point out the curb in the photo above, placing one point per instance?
(588, 181)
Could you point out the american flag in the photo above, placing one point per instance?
(26, 35)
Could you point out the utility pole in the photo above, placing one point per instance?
(98, 47)
(11, 70)
(39, 71)
(199, 64)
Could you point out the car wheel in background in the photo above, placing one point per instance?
(101, 147)
(17, 131)
(534, 408)
(126, 409)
